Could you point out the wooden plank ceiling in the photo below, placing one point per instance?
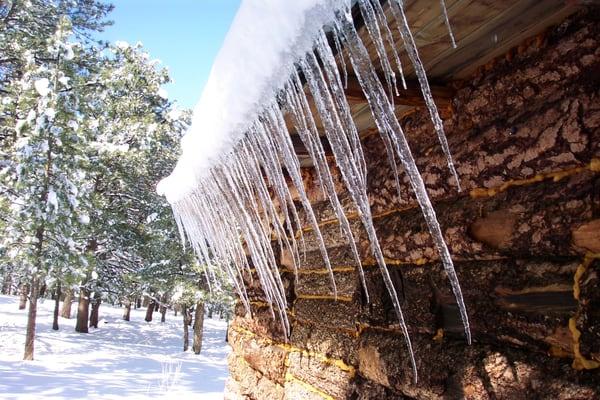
(484, 30)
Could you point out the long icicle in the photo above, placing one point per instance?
(413, 54)
(388, 125)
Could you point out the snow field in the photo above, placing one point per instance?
(120, 359)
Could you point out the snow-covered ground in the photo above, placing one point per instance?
(118, 360)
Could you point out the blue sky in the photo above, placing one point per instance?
(184, 34)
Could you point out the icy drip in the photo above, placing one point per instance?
(358, 193)
(307, 130)
(391, 131)
(283, 143)
(389, 38)
(242, 208)
(411, 49)
(370, 19)
(447, 22)
(342, 108)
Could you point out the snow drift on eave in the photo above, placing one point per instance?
(264, 41)
(229, 193)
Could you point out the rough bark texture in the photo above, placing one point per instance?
(65, 311)
(198, 327)
(525, 135)
(83, 311)
(163, 307)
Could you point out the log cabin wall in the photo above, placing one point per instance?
(524, 234)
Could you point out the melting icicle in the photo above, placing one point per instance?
(413, 54)
(242, 207)
(307, 130)
(388, 125)
(339, 52)
(390, 39)
(447, 22)
(370, 18)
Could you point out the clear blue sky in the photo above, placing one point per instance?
(184, 34)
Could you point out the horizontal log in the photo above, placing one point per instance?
(326, 375)
(261, 354)
(523, 221)
(454, 370)
(587, 236)
(252, 383)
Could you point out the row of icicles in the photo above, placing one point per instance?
(244, 201)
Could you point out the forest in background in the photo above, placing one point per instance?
(86, 133)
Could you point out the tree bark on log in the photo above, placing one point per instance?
(83, 311)
(65, 312)
(198, 327)
(31, 315)
(127, 310)
(57, 294)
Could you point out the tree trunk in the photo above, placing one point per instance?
(7, 282)
(163, 307)
(56, 306)
(94, 316)
(138, 303)
(42, 290)
(145, 302)
(30, 334)
(23, 296)
(163, 313)
(198, 327)
(65, 312)
(149, 311)
(127, 310)
(83, 311)
(186, 322)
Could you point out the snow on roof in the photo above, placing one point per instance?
(257, 56)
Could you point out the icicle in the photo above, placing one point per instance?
(390, 39)
(325, 104)
(339, 52)
(342, 108)
(388, 125)
(447, 21)
(242, 207)
(307, 130)
(284, 144)
(370, 19)
(413, 54)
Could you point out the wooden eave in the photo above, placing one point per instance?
(484, 30)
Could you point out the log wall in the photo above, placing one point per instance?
(524, 234)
